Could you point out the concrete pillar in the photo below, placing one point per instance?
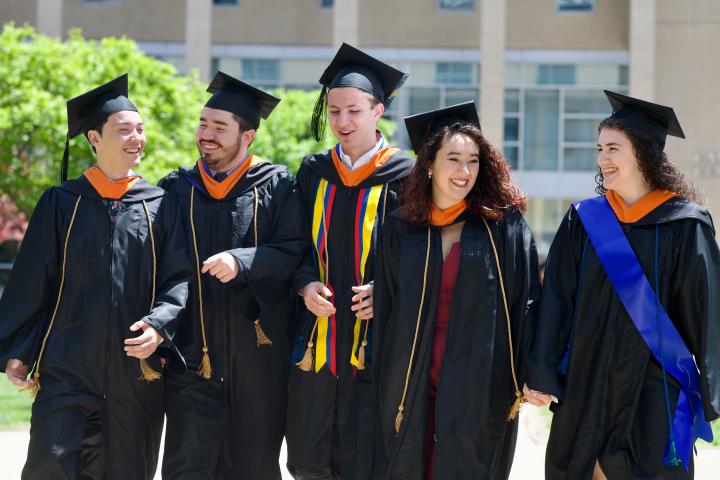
(345, 23)
(49, 17)
(198, 36)
(492, 70)
(643, 23)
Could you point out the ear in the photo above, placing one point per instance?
(378, 111)
(248, 136)
(93, 137)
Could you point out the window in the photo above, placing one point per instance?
(455, 73)
(457, 5)
(261, 71)
(225, 2)
(326, 3)
(582, 6)
(102, 1)
(556, 74)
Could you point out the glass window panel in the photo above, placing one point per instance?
(574, 5)
(581, 130)
(302, 72)
(623, 76)
(587, 101)
(578, 158)
(423, 100)
(421, 72)
(261, 70)
(511, 156)
(462, 5)
(461, 73)
(231, 66)
(513, 74)
(512, 129)
(556, 74)
(326, 3)
(540, 130)
(453, 96)
(225, 2)
(596, 74)
(512, 100)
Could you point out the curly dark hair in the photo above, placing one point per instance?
(655, 167)
(491, 195)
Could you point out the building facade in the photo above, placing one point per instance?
(536, 68)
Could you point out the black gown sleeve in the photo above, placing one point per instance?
(557, 303)
(523, 284)
(273, 264)
(697, 304)
(27, 300)
(174, 271)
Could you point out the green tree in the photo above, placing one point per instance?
(38, 74)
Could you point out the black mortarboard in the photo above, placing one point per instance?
(245, 101)
(657, 120)
(423, 124)
(354, 68)
(89, 110)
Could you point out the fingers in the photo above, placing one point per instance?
(222, 266)
(18, 381)
(536, 398)
(144, 349)
(138, 325)
(363, 306)
(318, 305)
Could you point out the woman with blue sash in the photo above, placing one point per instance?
(455, 288)
(628, 336)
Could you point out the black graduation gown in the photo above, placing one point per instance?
(232, 425)
(612, 404)
(474, 439)
(84, 371)
(330, 424)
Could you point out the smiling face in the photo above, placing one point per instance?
(122, 141)
(219, 140)
(619, 165)
(454, 170)
(353, 117)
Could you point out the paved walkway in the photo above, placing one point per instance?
(528, 465)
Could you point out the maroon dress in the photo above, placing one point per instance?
(450, 268)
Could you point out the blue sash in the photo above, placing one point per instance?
(640, 302)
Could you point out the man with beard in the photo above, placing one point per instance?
(225, 413)
(98, 283)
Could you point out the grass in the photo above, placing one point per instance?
(14, 406)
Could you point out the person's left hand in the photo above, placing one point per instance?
(539, 399)
(363, 301)
(222, 266)
(144, 345)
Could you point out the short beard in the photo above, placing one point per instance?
(218, 162)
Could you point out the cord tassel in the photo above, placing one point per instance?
(262, 339)
(672, 458)
(306, 364)
(34, 388)
(399, 418)
(361, 356)
(205, 369)
(515, 408)
(148, 374)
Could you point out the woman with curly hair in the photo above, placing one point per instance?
(456, 283)
(628, 338)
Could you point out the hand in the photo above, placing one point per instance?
(363, 301)
(144, 345)
(17, 373)
(536, 398)
(313, 294)
(222, 266)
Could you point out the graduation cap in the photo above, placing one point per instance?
(354, 68)
(89, 110)
(657, 120)
(423, 124)
(245, 101)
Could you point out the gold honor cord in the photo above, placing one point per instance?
(148, 373)
(401, 407)
(205, 369)
(519, 398)
(262, 339)
(35, 387)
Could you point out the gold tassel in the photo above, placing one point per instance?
(515, 409)
(148, 374)
(398, 419)
(306, 364)
(361, 356)
(205, 370)
(262, 339)
(34, 388)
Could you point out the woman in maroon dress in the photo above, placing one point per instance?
(456, 288)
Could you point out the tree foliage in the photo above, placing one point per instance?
(38, 74)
